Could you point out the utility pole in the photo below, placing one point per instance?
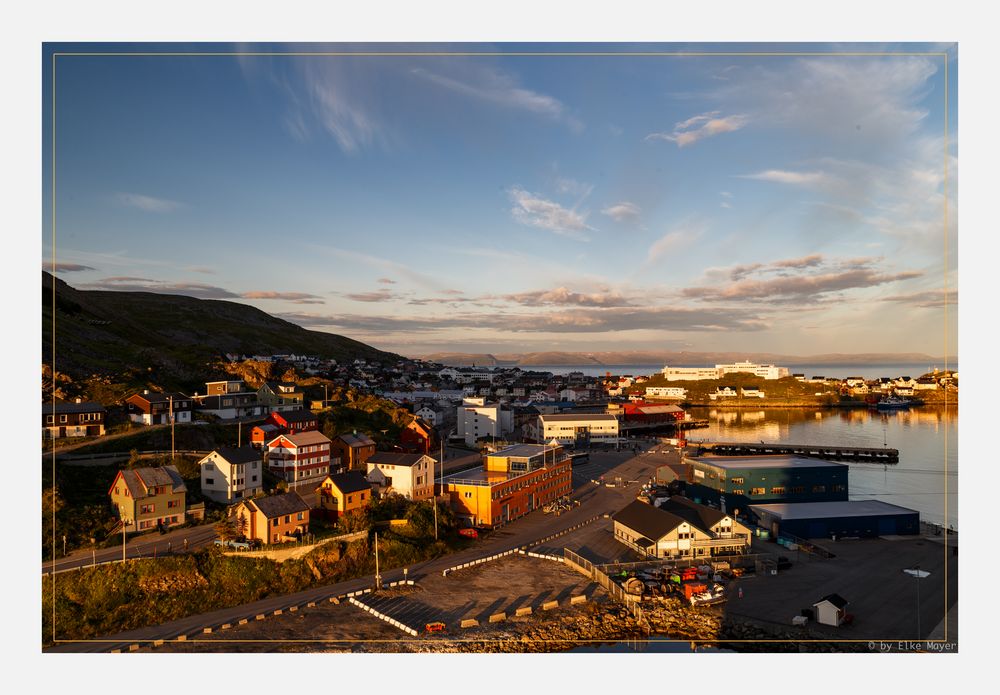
(239, 434)
(171, 429)
(378, 577)
(123, 538)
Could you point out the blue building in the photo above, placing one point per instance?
(860, 519)
(740, 481)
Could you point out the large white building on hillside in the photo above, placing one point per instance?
(765, 371)
(690, 373)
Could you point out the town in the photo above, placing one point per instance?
(478, 459)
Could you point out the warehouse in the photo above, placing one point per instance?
(860, 518)
(744, 480)
(579, 429)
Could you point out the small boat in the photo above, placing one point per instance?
(893, 403)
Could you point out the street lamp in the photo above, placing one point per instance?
(919, 574)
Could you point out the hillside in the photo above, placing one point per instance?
(144, 338)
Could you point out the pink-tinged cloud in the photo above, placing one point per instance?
(700, 127)
(800, 288)
(933, 299)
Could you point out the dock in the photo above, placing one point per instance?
(849, 454)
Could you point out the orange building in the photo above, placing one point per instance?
(511, 483)
(344, 492)
(273, 519)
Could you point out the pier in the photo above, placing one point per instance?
(849, 454)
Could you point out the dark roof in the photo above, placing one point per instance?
(243, 454)
(156, 397)
(279, 505)
(63, 408)
(352, 481)
(651, 522)
(357, 440)
(394, 459)
(836, 599)
(695, 514)
(139, 480)
(296, 415)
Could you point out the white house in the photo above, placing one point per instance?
(751, 392)
(229, 474)
(477, 418)
(410, 475)
(723, 392)
(831, 610)
(429, 415)
(578, 428)
(666, 392)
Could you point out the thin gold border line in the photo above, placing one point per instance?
(53, 337)
(494, 54)
(944, 55)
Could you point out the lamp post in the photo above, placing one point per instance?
(919, 574)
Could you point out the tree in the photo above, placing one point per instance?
(227, 529)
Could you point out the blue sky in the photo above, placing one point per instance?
(512, 203)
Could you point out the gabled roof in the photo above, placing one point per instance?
(140, 480)
(695, 514)
(357, 440)
(279, 505)
(303, 438)
(243, 454)
(156, 397)
(836, 599)
(351, 481)
(651, 522)
(301, 415)
(394, 459)
(64, 408)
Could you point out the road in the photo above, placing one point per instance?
(596, 498)
(145, 546)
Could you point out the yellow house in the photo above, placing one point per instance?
(344, 492)
(147, 498)
(274, 519)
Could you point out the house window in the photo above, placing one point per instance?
(253, 478)
(49, 419)
(362, 497)
(758, 491)
(62, 418)
(210, 481)
(209, 467)
(147, 508)
(350, 498)
(736, 481)
(173, 504)
(274, 522)
(300, 516)
(288, 518)
(275, 539)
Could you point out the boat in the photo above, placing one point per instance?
(893, 403)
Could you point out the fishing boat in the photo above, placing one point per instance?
(893, 403)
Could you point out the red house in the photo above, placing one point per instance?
(648, 412)
(417, 437)
(292, 421)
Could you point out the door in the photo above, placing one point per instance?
(887, 527)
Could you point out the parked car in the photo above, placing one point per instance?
(235, 545)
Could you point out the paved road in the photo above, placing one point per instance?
(145, 546)
(595, 499)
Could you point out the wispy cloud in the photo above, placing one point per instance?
(623, 212)
(680, 235)
(561, 296)
(495, 87)
(135, 284)
(383, 295)
(147, 203)
(795, 178)
(700, 127)
(536, 211)
(293, 297)
(387, 281)
(66, 267)
(933, 299)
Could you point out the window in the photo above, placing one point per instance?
(49, 419)
(253, 479)
(350, 498)
(777, 490)
(275, 540)
(288, 518)
(757, 491)
(253, 466)
(147, 508)
(736, 481)
(300, 516)
(210, 481)
(274, 522)
(62, 418)
(362, 497)
(209, 467)
(738, 492)
(819, 488)
(173, 504)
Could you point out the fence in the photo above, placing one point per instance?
(587, 568)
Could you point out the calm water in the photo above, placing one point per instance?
(838, 371)
(927, 440)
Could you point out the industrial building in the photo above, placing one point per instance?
(859, 518)
(739, 481)
(511, 483)
(579, 429)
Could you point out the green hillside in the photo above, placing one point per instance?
(171, 341)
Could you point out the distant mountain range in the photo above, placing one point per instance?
(638, 357)
(146, 337)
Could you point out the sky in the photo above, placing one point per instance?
(475, 198)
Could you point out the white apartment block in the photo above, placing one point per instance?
(765, 371)
(579, 429)
(230, 474)
(690, 373)
(666, 392)
(477, 418)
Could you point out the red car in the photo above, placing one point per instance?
(469, 532)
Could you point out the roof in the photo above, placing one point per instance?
(243, 454)
(351, 481)
(777, 461)
(140, 480)
(279, 505)
(266, 427)
(827, 510)
(525, 450)
(295, 415)
(695, 514)
(651, 522)
(394, 459)
(357, 440)
(156, 397)
(579, 416)
(836, 599)
(64, 408)
(303, 438)
(659, 409)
